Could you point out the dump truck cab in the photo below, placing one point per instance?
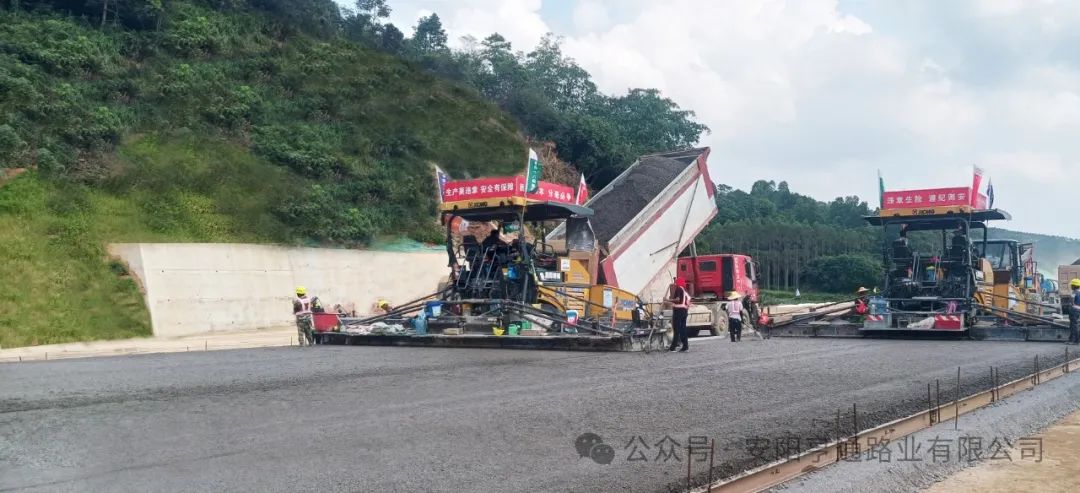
(714, 276)
(710, 278)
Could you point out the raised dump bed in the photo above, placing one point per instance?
(648, 215)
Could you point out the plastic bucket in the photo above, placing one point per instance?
(497, 331)
(514, 330)
(433, 309)
(420, 324)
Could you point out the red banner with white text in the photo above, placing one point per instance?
(935, 197)
(510, 186)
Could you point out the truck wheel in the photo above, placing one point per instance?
(719, 321)
(692, 332)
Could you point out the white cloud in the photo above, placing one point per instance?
(518, 21)
(1039, 167)
(591, 15)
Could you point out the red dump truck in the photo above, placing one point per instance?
(710, 278)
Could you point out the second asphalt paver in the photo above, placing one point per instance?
(417, 419)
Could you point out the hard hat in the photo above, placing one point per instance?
(300, 291)
(1075, 283)
(383, 303)
(862, 290)
(680, 282)
(734, 295)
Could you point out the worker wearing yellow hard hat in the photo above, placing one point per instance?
(303, 308)
(1074, 313)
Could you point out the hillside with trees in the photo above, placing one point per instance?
(282, 121)
(546, 92)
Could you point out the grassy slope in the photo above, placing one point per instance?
(58, 286)
(255, 140)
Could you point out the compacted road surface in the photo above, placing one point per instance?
(429, 419)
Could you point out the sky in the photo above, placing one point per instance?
(824, 93)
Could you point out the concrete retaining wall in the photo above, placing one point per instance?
(196, 288)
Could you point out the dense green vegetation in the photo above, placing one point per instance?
(284, 121)
(334, 98)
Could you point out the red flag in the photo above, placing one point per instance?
(582, 192)
(976, 182)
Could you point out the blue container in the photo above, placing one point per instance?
(420, 324)
(878, 306)
(433, 309)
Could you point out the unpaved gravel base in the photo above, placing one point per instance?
(427, 419)
(1019, 416)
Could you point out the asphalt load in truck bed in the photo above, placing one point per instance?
(426, 419)
(635, 189)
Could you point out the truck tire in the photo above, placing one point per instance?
(719, 321)
(693, 331)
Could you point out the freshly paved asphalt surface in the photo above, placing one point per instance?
(427, 419)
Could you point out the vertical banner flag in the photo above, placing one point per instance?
(441, 179)
(881, 190)
(532, 174)
(976, 182)
(582, 191)
(990, 194)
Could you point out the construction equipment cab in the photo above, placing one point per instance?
(500, 258)
(934, 278)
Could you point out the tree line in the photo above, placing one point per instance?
(798, 242)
